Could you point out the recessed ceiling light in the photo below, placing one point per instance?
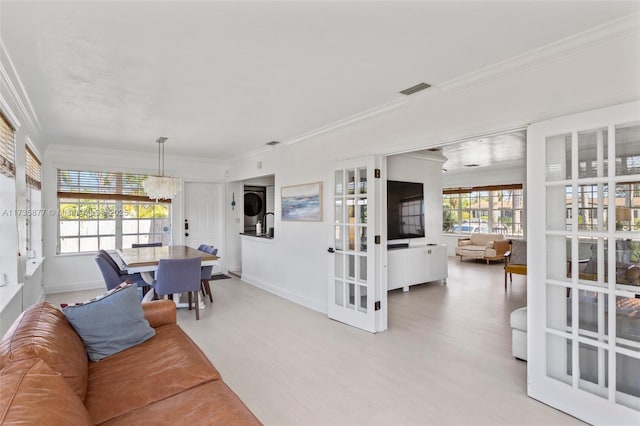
(413, 89)
(272, 143)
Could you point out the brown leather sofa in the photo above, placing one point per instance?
(46, 377)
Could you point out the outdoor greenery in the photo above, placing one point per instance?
(92, 209)
(497, 210)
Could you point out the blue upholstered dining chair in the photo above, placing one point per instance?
(179, 276)
(211, 250)
(138, 245)
(112, 273)
(206, 271)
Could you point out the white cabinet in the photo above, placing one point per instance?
(416, 265)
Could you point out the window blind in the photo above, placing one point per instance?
(34, 170)
(7, 148)
(470, 189)
(102, 185)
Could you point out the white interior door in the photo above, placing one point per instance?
(204, 214)
(355, 281)
(584, 283)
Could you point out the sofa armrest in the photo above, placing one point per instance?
(159, 312)
(501, 247)
(464, 242)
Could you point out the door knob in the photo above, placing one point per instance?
(331, 250)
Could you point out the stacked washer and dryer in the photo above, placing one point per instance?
(254, 207)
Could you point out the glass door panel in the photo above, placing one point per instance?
(627, 149)
(558, 151)
(592, 153)
(352, 279)
(585, 170)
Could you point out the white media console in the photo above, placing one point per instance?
(407, 266)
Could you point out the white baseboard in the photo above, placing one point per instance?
(77, 286)
(285, 294)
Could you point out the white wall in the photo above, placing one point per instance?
(15, 105)
(234, 224)
(9, 231)
(583, 73)
(69, 272)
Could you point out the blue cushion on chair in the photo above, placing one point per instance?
(110, 323)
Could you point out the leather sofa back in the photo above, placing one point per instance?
(42, 331)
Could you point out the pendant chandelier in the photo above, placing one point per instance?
(160, 187)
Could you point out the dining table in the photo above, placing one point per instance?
(145, 260)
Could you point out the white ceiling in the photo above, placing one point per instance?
(221, 79)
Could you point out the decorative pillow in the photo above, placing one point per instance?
(110, 323)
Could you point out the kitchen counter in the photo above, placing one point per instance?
(253, 234)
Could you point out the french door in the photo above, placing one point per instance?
(355, 281)
(584, 289)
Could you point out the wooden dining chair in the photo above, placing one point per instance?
(515, 260)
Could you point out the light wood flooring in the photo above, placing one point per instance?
(445, 359)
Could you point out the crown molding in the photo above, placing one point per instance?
(627, 26)
(437, 157)
(251, 154)
(10, 79)
(372, 112)
(61, 152)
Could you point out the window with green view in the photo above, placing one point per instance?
(495, 209)
(107, 210)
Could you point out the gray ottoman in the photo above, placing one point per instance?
(519, 333)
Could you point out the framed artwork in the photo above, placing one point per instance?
(302, 202)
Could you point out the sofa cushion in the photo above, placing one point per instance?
(480, 239)
(476, 252)
(162, 366)
(212, 403)
(42, 331)
(111, 322)
(34, 394)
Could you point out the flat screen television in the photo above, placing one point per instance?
(405, 210)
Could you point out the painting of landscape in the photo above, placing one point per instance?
(302, 202)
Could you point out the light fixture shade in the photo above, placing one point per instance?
(160, 187)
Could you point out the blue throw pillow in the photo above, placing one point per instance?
(111, 322)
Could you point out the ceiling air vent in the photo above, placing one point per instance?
(418, 87)
(272, 143)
